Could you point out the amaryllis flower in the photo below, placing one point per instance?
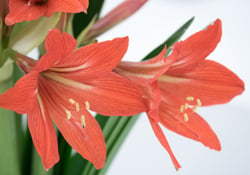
(63, 86)
(188, 81)
(27, 10)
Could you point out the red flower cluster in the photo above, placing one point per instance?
(177, 85)
(67, 82)
(64, 85)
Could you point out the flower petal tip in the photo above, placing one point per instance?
(8, 21)
(177, 167)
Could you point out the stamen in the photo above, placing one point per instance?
(87, 105)
(72, 101)
(190, 98)
(186, 105)
(186, 117)
(198, 102)
(83, 121)
(77, 107)
(68, 114)
(182, 108)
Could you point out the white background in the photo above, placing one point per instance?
(142, 153)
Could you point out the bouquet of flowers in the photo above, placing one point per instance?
(81, 99)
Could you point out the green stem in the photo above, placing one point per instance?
(9, 160)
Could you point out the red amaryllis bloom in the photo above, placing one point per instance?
(63, 86)
(188, 82)
(27, 10)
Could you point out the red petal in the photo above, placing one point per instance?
(210, 82)
(69, 6)
(107, 95)
(145, 72)
(195, 127)
(196, 48)
(94, 59)
(161, 137)
(85, 5)
(23, 94)
(114, 95)
(19, 11)
(43, 133)
(59, 46)
(88, 141)
(152, 94)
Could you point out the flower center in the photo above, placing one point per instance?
(77, 109)
(36, 2)
(190, 106)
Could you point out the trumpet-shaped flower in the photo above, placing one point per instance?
(27, 10)
(177, 85)
(63, 86)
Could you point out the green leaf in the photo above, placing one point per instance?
(85, 31)
(171, 40)
(64, 153)
(9, 159)
(27, 153)
(81, 20)
(116, 140)
(75, 165)
(37, 166)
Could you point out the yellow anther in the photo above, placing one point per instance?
(77, 107)
(182, 108)
(83, 121)
(186, 105)
(198, 102)
(87, 105)
(185, 117)
(68, 114)
(190, 98)
(72, 101)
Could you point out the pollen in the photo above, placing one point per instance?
(190, 98)
(190, 106)
(198, 102)
(72, 101)
(87, 105)
(77, 107)
(83, 121)
(186, 117)
(68, 113)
